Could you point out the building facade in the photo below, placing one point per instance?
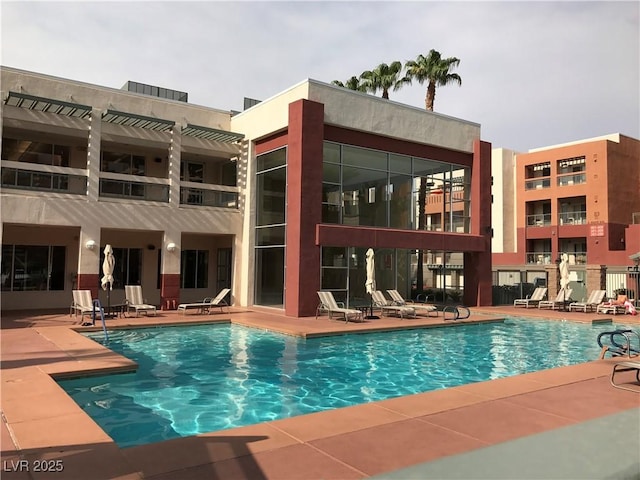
(580, 198)
(276, 202)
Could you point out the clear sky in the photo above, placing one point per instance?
(533, 73)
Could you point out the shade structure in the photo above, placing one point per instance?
(108, 266)
(370, 284)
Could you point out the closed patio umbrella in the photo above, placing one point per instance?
(564, 275)
(370, 283)
(108, 265)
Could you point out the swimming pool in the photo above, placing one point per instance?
(205, 378)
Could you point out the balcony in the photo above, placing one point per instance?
(539, 220)
(208, 197)
(573, 218)
(578, 258)
(571, 179)
(41, 178)
(134, 190)
(537, 183)
(539, 258)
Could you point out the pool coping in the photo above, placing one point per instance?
(27, 410)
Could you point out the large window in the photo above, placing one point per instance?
(194, 269)
(270, 227)
(379, 189)
(30, 267)
(122, 162)
(43, 153)
(128, 266)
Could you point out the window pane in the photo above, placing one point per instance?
(334, 257)
(271, 197)
(400, 201)
(271, 160)
(364, 197)
(331, 152)
(270, 276)
(202, 274)
(399, 163)
(270, 236)
(330, 173)
(7, 267)
(189, 265)
(361, 157)
(56, 279)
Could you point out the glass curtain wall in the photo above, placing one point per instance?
(271, 189)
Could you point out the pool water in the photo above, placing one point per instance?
(205, 378)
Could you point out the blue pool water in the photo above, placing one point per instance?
(213, 377)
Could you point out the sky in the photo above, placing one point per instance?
(533, 73)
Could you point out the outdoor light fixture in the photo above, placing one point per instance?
(171, 247)
(90, 245)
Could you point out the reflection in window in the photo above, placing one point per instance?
(192, 172)
(31, 267)
(125, 163)
(30, 151)
(128, 266)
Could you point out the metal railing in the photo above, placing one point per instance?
(572, 179)
(43, 181)
(208, 198)
(573, 218)
(539, 258)
(543, 182)
(134, 190)
(539, 220)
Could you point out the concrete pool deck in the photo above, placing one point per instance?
(485, 428)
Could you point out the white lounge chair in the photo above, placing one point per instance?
(328, 303)
(418, 307)
(135, 302)
(595, 298)
(535, 298)
(208, 303)
(380, 301)
(628, 366)
(563, 296)
(82, 304)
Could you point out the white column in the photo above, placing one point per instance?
(174, 166)
(93, 155)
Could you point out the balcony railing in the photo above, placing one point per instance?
(578, 258)
(544, 182)
(539, 258)
(208, 198)
(573, 218)
(572, 179)
(134, 190)
(539, 220)
(44, 181)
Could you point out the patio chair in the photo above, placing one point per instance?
(590, 305)
(400, 301)
(387, 306)
(329, 304)
(135, 302)
(82, 303)
(628, 366)
(535, 298)
(208, 303)
(611, 308)
(563, 296)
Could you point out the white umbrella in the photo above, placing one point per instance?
(108, 265)
(564, 271)
(370, 284)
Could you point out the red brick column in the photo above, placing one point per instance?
(169, 291)
(89, 281)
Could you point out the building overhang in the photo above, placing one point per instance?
(211, 134)
(138, 121)
(50, 105)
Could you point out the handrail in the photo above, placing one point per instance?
(96, 303)
(616, 349)
(455, 310)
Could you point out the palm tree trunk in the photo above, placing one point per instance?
(431, 96)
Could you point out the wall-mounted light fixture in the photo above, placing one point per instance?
(171, 247)
(90, 245)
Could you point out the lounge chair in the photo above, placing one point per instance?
(208, 303)
(627, 366)
(614, 307)
(535, 298)
(563, 296)
(387, 306)
(329, 304)
(135, 302)
(418, 307)
(82, 303)
(590, 305)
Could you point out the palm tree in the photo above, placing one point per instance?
(383, 77)
(432, 69)
(352, 84)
